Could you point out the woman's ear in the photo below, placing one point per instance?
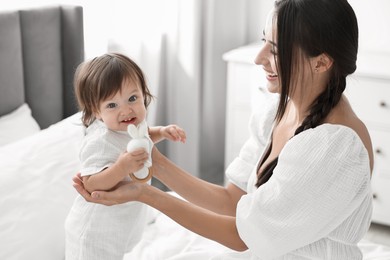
(322, 63)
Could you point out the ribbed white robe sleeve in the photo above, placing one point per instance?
(321, 178)
(260, 127)
(95, 156)
(100, 148)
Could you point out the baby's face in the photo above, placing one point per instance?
(124, 108)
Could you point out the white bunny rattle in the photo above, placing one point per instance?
(140, 139)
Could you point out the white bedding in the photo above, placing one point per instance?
(36, 191)
(36, 195)
(166, 240)
(17, 125)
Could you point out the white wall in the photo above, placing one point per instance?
(258, 11)
(373, 19)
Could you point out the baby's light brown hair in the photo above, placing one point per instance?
(101, 78)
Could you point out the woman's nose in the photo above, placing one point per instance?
(261, 58)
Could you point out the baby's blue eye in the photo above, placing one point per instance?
(111, 105)
(133, 98)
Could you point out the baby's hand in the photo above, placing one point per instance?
(173, 133)
(133, 161)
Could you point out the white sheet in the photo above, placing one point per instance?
(36, 191)
(164, 239)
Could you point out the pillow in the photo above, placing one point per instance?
(17, 125)
(36, 191)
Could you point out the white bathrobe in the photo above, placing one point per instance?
(98, 232)
(316, 205)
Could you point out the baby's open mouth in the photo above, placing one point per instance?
(129, 120)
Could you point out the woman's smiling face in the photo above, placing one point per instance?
(267, 57)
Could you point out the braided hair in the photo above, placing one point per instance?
(308, 28)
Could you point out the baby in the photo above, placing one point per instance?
(112, 94)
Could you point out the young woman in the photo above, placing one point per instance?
(300, 188)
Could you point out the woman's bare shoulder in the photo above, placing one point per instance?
(343, 114)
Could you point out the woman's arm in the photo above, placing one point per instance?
(220, 228)
(202, 193)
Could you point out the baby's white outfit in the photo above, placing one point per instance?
(316, 205)
(94, 231)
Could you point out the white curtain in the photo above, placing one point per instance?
(179, 44)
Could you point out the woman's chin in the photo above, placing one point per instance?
(273, 88)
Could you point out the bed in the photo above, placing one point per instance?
(39, 49)
(40, 133)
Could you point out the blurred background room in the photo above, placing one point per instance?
(185, 49)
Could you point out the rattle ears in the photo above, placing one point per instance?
(321, 63)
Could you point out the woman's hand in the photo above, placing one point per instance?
(125, 191)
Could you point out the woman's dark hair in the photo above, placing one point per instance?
(102, 77)
(308, 28)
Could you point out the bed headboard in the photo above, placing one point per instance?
(40, 49)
